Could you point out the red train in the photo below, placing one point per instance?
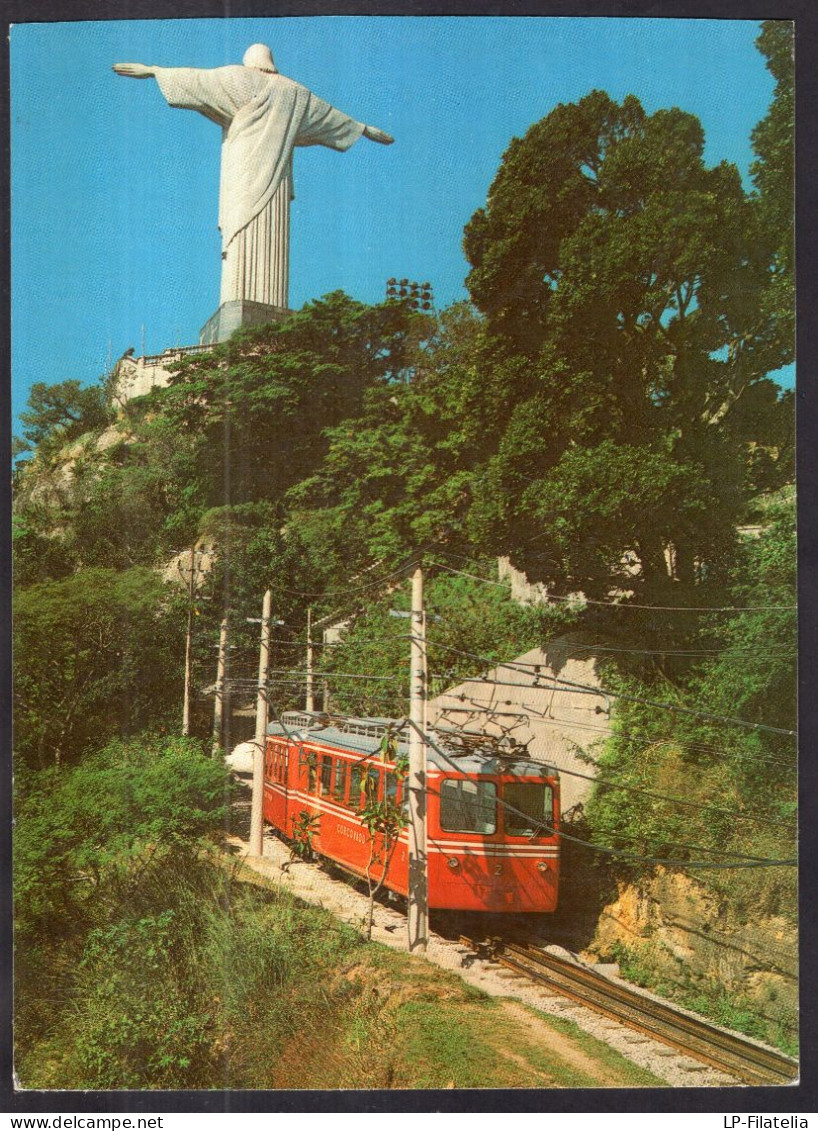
(492, 818)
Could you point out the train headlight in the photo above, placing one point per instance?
(542, 866)
(453, 862)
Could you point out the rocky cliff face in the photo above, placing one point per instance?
(681, 934)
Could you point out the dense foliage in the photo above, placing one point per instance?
(700, 787)
(94, 847)
(99, 654)
(58, 414)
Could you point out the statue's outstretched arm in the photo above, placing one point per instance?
(133, 70)
(373, 134)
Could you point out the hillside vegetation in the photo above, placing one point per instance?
(602, 413)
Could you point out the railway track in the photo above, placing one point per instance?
(738, 1057)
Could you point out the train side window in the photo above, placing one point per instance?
(372, 783)
(391, 795)
(326, 775)
(355, 775)
(391, 788)
(312, 772)
(402, 797)
(468, 806)
(341, 770)
(531, 809)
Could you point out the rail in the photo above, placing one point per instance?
(740, 1057)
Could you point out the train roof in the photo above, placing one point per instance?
(464, 751)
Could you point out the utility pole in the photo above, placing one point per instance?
(257, 804)
(310, 703)
(191, 596)
(325, 704)
(416, 781)
(218, 706)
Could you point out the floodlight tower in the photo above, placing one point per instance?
(417, 295)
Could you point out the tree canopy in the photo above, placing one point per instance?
(632, 279)
(59, 413)
(773, 174)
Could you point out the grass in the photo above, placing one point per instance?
(485, 1046)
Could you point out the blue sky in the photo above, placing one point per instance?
(114, 194)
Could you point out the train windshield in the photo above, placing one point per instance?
(468, 806)
(528, 809)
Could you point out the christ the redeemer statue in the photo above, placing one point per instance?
(263, 116)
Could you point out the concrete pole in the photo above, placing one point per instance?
(325, 704)
(416, 781)
(191, 596)
(218, 706)
(310, 702)
(257, 804)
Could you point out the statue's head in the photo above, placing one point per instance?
(260, 58)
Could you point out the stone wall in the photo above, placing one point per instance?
(555, 722)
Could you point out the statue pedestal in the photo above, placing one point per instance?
(240, 312)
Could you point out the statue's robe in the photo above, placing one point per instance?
(263, 117)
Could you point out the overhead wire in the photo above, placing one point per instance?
(580, 599)
(325, 643)
(744, 861)
(570, 646)
(558, 684)
(318, 594)
(339, 675)
(730, 860)
(606, 732)
(733, 855)
(697, 805)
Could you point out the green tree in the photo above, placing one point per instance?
(773, 174)
(98, 925)
(398, 475)
(97, 654)
(258, 406)
(630, 277)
